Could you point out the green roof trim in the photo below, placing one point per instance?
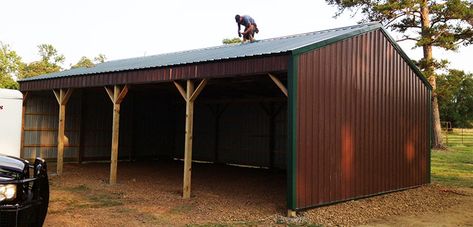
(369, 27)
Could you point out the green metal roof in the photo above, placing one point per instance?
(262, 47)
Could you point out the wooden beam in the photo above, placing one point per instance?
(117, 94)
(186, 191)
(279, 84)
(198, 90)
(110, 93)
(57, 95)
(62, 97)
(122, 94)
(181, 90)
(25, 95)
(66, 94)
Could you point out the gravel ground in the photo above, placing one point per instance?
(149, 194)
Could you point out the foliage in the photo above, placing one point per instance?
(84, 62)
(50, 62)
(231, 41)
(87, 63)
(455, 93)
(8, 82)
(445, 24)
(10, 63)
(101, 58)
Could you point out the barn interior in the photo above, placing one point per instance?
(238, 121)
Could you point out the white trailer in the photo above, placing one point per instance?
(10, 122)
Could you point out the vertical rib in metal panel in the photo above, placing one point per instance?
(98, 133)
(154, 122)
(244, 137)
(362, 119)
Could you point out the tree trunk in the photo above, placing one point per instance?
(430, 74)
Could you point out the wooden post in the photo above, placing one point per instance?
(22, 137)
(291, 213)
(117, 94)
(186, 191)
(62, 97)
(190, 95)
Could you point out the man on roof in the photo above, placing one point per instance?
(250, 27)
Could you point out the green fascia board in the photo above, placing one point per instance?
(317, 45)
(357, 32)
(292, 132)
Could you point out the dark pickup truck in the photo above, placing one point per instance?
(24, 192)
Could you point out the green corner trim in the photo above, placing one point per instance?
(292, 132)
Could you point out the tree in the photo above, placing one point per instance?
(430, 23)
(231, 41)
(84, 62)
(101, 58)
(50, 62)
(455, 94)
(9, 65)
(87, 63)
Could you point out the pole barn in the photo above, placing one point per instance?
(344, 111)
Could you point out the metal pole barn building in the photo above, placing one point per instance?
(344, 111)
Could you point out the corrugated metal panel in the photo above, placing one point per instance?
(41, 123)
(262, 47)
(250, 66)
(154, 124)
(244, 135)
(203, 140)
(362, 122)
(98, 127)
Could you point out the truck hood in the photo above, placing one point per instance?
(11, 167)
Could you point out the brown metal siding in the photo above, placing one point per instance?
(247, 66)
(362, 122)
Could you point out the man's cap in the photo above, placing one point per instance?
(237, 18)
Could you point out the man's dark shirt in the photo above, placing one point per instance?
(247, 20)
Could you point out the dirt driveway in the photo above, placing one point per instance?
(149, 194)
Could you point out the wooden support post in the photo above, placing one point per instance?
(186, 191)
(190, 95)
(117, 94)
(62, 97)
(278, 83)
(291, 213)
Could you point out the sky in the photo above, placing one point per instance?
(125, 28)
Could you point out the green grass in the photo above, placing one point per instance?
(455, 165)
(94, 199)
